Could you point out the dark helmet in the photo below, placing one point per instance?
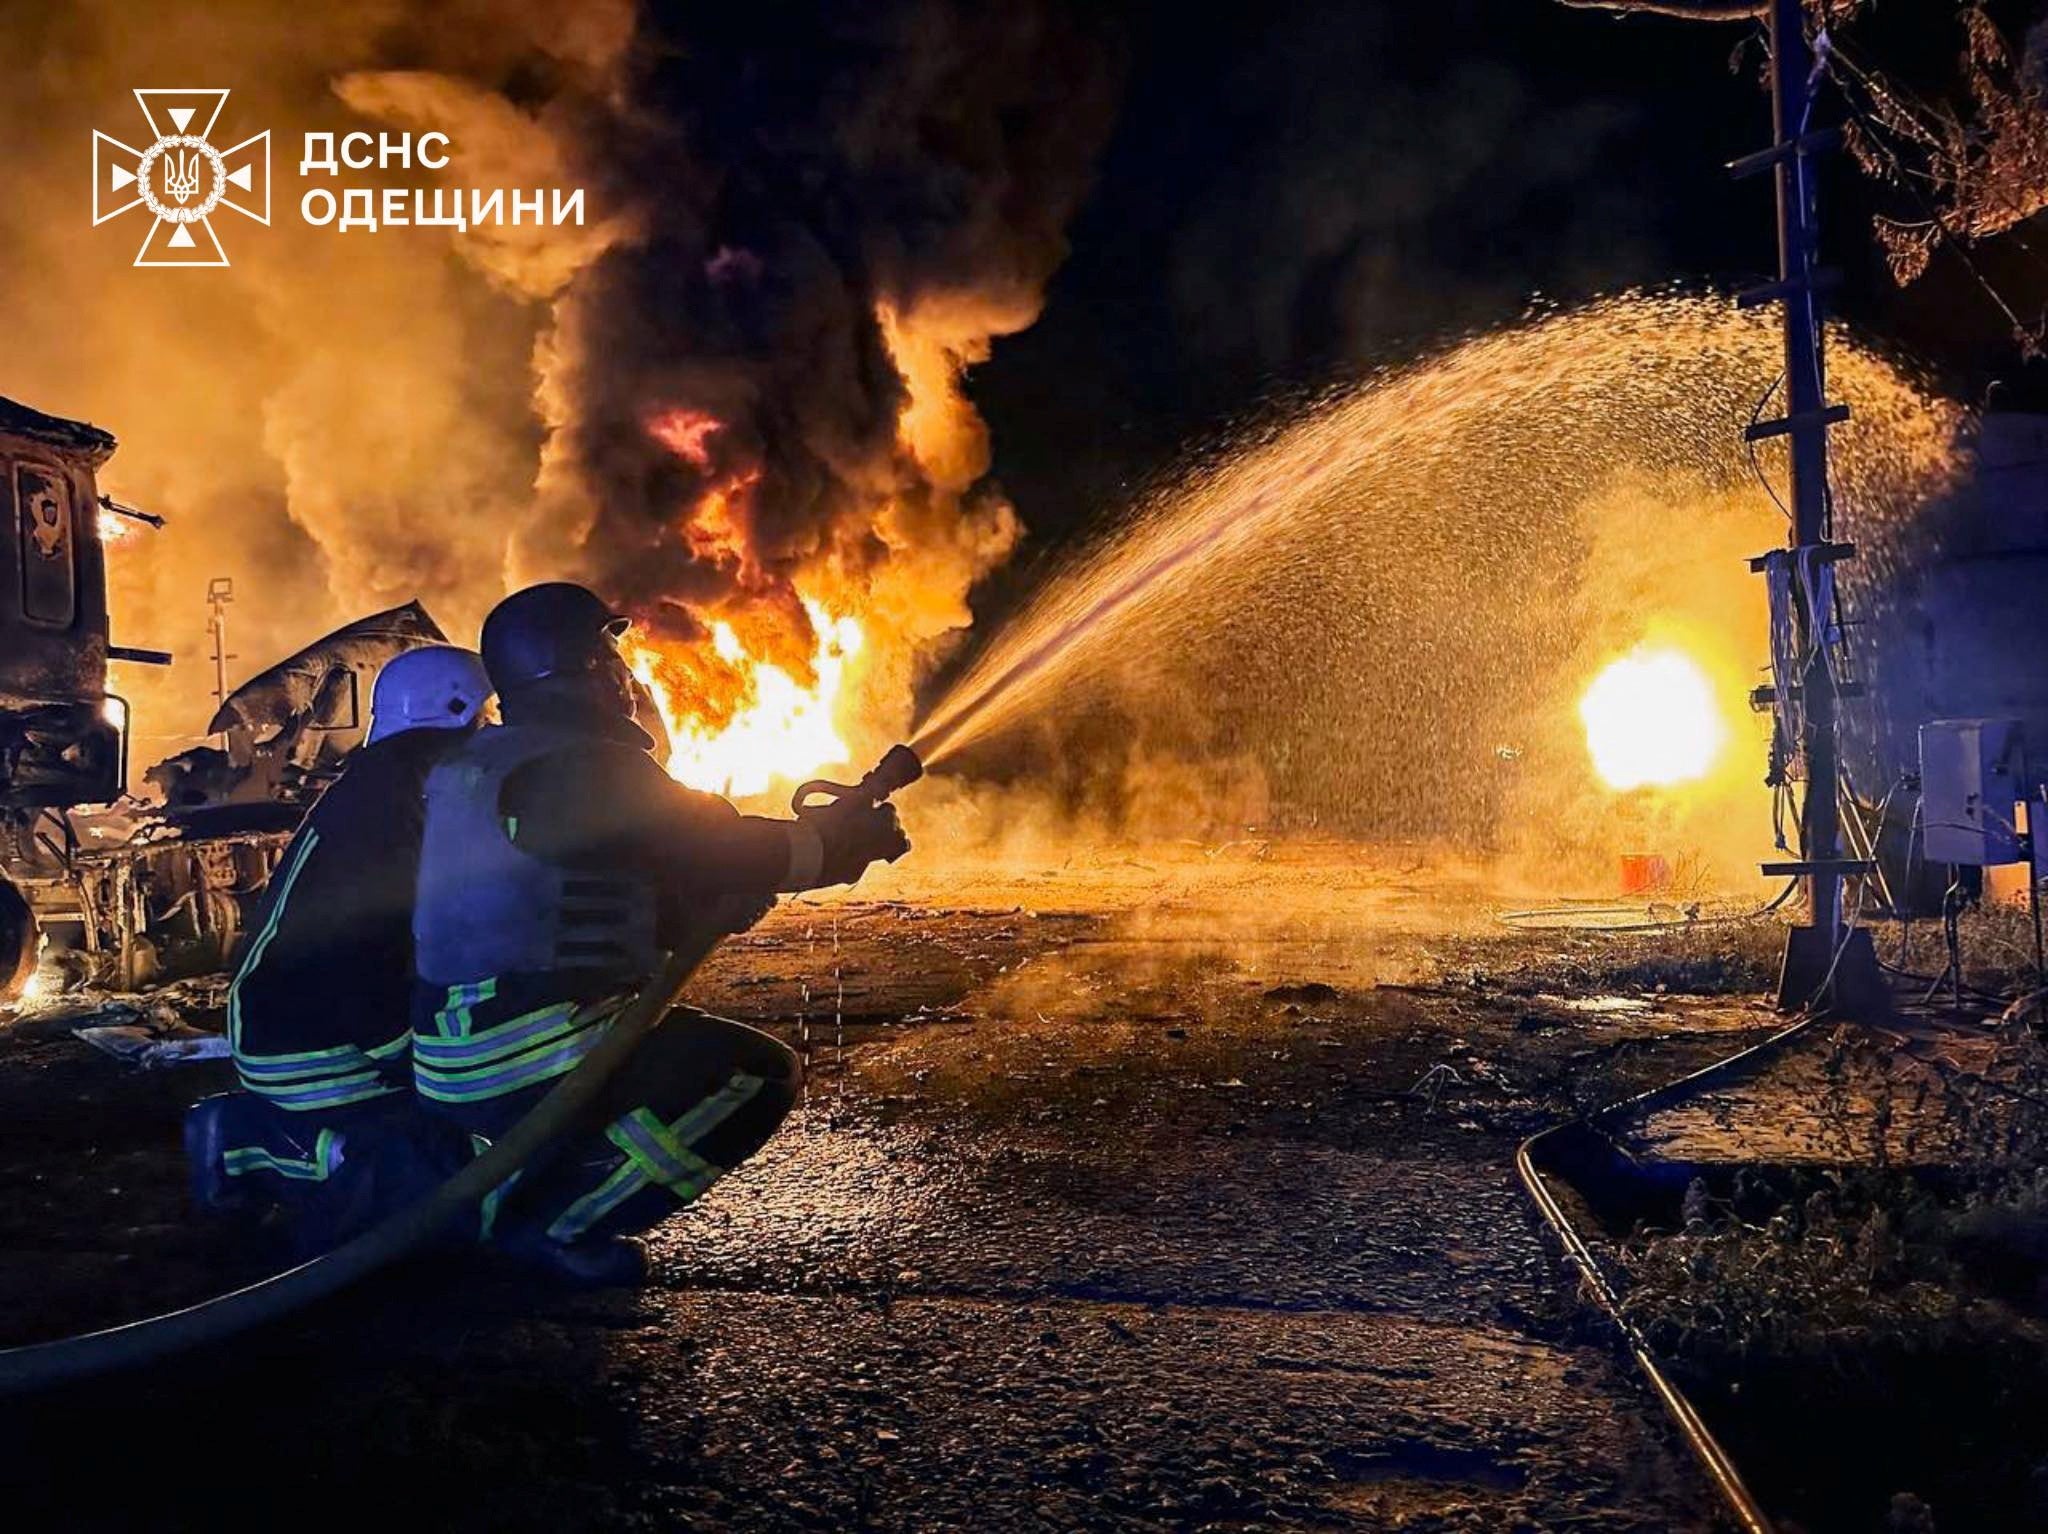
(556, 630)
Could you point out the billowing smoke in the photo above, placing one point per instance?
(738, 383)
(339, 423)
(753, 396)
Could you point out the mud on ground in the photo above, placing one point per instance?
(1161, 1191)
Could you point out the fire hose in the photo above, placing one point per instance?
(567, 1106)
(1699, 1439)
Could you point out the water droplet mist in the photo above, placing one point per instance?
(1378, 618)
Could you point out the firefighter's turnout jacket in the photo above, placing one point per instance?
(558, 860)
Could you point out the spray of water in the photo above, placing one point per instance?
(1386, 609)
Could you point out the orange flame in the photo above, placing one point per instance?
(738, 722)
(776, 728)
(687, 433)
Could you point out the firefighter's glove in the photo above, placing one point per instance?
(855, 837)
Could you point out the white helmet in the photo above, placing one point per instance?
(436, 687)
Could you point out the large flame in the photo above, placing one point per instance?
(779, 730)
(737, 721)
(1652, 720)
(745, 708)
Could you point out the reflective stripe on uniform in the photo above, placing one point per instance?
(739, 1090)
(325, 1092)
(669, 1162)
(550, 1054)
(322, 1078)
(626, 1180)
(264, 935)
(454, 1016)
(243, 1159)
(319, 1062)
(658, 1153)
(523, 1032)
(458, 1066)
(306, 1079)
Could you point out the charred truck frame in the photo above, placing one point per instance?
(63, 735)
(94, 886)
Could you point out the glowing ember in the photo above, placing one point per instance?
(779, 729)
(112, 528)
(1651, 720)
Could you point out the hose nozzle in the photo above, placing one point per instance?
(898, 768)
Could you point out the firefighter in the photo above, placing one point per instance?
(559, 861)
(326, 1123)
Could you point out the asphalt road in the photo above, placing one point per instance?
(1125, 1201)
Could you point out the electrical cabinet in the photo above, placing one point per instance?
(1972, 774)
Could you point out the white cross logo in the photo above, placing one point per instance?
(180, 178)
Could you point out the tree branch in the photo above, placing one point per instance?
(1689, 10)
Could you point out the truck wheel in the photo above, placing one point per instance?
(18, 934)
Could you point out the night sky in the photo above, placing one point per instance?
(1298, 191)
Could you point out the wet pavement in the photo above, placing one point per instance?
(1175, 1196)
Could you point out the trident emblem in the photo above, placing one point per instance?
(181, 178)
(180, 170)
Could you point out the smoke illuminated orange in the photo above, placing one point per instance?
(686, 433)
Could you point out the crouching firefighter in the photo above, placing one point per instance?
(320, 1006)
(559, 862)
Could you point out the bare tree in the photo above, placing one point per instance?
(1972, 159)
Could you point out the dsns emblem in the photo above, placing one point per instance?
(181, 179)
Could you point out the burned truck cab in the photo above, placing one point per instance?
(60, 733)
(96, 887)
(62, 738)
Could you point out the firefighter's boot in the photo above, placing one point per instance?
(207, 1128)
(608, 1262)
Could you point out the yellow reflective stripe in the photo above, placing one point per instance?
(284, 1065)
(263, 937)
(600, 1201)
(721, 1105)
(664, 1151)
(471, 996)
(552, 1058)
(526, 1031)
(243, 1159)
(327, 1094)
(319, 1064)
(681, 1170)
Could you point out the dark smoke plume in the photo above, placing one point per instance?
(806, 221)
(834, 209)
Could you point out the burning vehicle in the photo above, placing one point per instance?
(99, 885)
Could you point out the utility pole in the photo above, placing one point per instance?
(1827, 967)
(220, 591)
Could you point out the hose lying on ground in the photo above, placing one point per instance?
(1585, 915)
(43, 1364)
(1721, 1471)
